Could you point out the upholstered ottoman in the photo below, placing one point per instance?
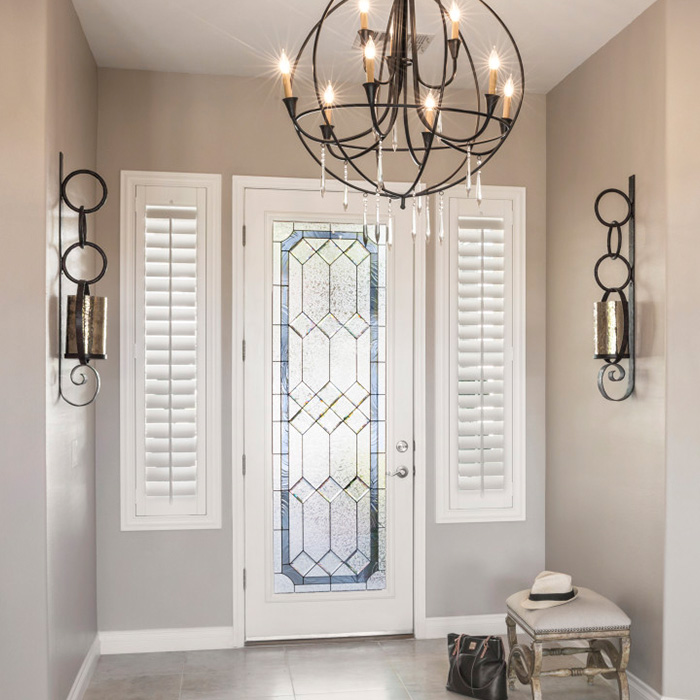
(590, 618)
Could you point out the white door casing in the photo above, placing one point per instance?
(326, 611)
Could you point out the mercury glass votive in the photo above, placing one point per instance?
(608, 329)
(94, 322)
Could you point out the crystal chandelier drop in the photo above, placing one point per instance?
(435, 117)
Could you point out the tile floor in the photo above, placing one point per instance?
(368, 670)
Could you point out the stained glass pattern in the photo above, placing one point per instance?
(329, 397)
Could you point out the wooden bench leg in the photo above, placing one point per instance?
(536, 670)
(618, 659)
(512, 643)
(623, 684)
(525, 663)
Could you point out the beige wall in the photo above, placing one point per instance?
(605, 461)
(682, 603)
(234, 126)
(71, 127)
(48, 616)
(23, 614)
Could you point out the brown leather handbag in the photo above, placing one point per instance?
(477, 667)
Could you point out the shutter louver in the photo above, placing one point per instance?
(480, 355)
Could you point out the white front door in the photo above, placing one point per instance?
(328, 416)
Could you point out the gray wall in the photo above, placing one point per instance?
(48, 613)
(605, 461)
(48, 616)
(71, 127)
(23, 613)
(175, 122)
(473, 568)
(682, 603)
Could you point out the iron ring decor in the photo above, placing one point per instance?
(615, 319)
(88, 244)
(86, 321)
(611, 256)
(78, 209)
(628, 201)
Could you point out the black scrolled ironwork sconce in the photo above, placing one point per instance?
(86, 317)
(615, 318)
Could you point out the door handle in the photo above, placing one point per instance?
(401, 472)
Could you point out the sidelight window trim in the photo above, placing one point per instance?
(450, 506)
(209, 322)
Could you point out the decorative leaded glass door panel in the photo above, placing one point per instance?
(328, 392)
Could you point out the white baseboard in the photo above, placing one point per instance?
(639, 690)
(185, 639)
(437, 627)
(87, 668)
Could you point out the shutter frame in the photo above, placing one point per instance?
(170, 340)
(459, 366)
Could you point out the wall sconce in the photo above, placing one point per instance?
(86, 316)
(614, 321)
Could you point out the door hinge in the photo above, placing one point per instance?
(243, 350)
(245, 579)
(245, 466)
(245, 235)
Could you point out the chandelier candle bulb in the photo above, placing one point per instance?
(508, 93)
(364, 14)
(430, 106)
(286, 70)
(494, 66)
(328, 100)
(370, 55)
(455, 16)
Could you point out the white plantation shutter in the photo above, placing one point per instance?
(481, 330)
(172, 480)
(480, 471)
(175, 459)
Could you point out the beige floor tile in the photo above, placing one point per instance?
(137, 687)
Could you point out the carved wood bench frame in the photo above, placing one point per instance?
(525, 661)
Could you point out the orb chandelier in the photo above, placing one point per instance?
(441, 114)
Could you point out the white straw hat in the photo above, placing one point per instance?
(549, 590)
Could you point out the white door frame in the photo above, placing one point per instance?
(240, 184)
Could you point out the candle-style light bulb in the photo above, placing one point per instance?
(364, 14)
(286, 71)
(508, 92)
(430, 106)
(455, 15)
(370, 55)
(328, 100)
(494, 66)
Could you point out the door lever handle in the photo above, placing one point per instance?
(401, 472)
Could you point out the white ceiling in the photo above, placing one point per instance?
(244, 37)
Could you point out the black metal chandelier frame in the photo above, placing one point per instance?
(385, 114)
